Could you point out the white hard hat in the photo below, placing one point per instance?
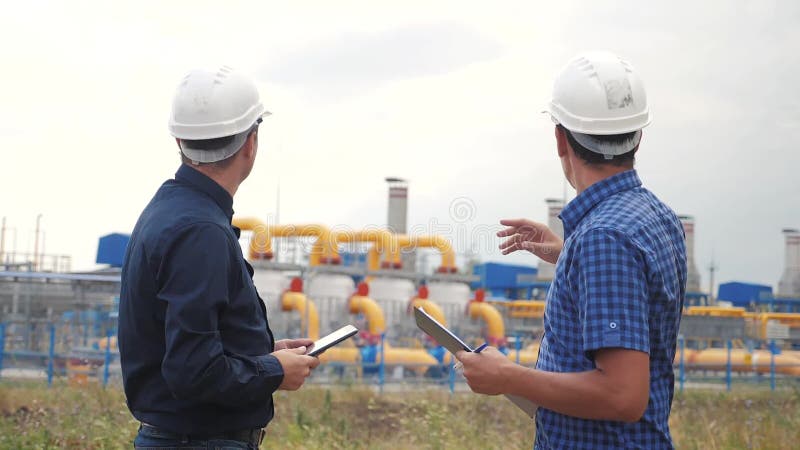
(215, 103)
(598, 93)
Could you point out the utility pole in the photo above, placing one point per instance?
(3, 241)
(36, 244)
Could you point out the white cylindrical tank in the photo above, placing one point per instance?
(393, 296)
(545, 270)
(789, 284)
(330, 292)
(692, 274)
(270, 284)
(452, 297)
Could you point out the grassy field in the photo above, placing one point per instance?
(32, 416)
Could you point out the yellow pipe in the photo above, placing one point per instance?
(438, 242)
(431, 308)
(260, 243)
(716, 311)
(385, 243)
(360, 304)
(494, 321)
(341, 354)
(297, 301)
(527, 356)
(418, 358)
(743, 361)
(324, 250)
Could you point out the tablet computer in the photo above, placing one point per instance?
(453, 343)
(326, 342)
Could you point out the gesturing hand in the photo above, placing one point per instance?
(532, 236)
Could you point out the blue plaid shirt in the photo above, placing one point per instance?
(619, 283)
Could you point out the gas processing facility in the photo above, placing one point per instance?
(315, 278)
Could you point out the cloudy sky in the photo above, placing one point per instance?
(445, 94)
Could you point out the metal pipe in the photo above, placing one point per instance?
(385, 243)
(309, 318)
(494, 321)
(404, 242)
(430, 307)
(2, 344)
(728, 367)
(323, 251)
(107, 361)
(772, 365)
(360, 304)
(51, 355)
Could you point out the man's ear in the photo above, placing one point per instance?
(250, 146)
(178, 141)
(561, 141)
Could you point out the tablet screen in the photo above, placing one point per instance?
(332, 339)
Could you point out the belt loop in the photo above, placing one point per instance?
(185, 439)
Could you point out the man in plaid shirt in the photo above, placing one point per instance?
(604, 377)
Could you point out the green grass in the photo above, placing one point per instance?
(32, 416)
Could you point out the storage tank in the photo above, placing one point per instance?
(546, 271)
(692, 274)
(330, 292)
(393, 296)
(789, 285)
(452, 297)
(270, 284)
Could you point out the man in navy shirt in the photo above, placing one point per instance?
(199, 362)
(604, 376)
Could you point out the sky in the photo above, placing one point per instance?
(445, 94)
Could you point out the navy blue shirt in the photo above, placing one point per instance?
(194, 339)
(620, 282)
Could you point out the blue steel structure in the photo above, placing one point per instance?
(512, 281)
(756, 297)
(111, 249)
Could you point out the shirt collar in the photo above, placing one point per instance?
(203, 183)
(576, 209)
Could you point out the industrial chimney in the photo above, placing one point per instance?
(692, 275)
(397, 219)
(546, 271)
(789, 286)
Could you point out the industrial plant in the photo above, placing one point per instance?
(314, 278)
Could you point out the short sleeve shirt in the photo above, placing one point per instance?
(619, 282)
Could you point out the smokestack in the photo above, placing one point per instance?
(546, 271)
(789, 286)
(692, 275)
(397, 218)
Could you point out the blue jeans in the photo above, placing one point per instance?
(148, 439)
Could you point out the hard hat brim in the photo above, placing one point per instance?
(209, 156)
(597, 145)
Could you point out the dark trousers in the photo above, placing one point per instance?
(153, 438)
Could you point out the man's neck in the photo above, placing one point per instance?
(221, 178)
(590, 175)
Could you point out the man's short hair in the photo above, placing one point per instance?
(595, 158)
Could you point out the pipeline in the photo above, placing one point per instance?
(404, 242)
(478, 309)
(384, 243)
(295, 300)
(422, 301)
(741, 361)
(323, 251)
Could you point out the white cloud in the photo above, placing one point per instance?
(358, 95)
